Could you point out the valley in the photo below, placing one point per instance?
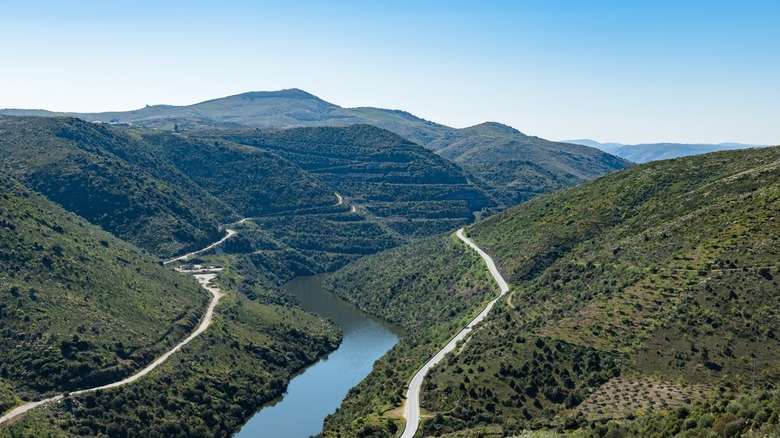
(362, 219)
(319, 389)
(655, 281)
(634, 281)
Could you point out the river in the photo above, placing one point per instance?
(319, 389)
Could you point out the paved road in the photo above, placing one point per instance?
(204, 279)
(412, 408)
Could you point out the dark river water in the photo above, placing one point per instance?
(318, 390)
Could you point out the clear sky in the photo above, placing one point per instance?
(622, 71)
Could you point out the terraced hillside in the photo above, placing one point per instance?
(405, 187)
(648, 292)
(517, 167)
(170, 193)
(164, 192)
(251, 181)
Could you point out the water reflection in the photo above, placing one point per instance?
(319, 390)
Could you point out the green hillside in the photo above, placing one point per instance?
(392, 190)
(79, 307)
(273, 249)
(208, 389)
(520, 167)
(162, 191)
(439, 285)
(251, 181)
(297, 225)
(515, 166)
(640, 294)
(671, 265)
(170, 193)
(407, 188)
(110, 179)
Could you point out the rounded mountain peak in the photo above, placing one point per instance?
(494, 128)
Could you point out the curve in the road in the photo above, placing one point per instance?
(230, 233)
(204, 279)
(412, 409)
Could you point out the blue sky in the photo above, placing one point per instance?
(623, 71)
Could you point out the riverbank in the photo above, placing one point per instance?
(320, 388)
(211, 386)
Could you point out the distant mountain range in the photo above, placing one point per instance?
(262, 109)
(517, 166)
(643, 153)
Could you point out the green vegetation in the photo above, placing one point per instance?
(169, 193)
(273, 249)
(658, 264)
(297, 226)
(78, 307)
(344, 233)
(519, 167)
(749, 415)
(209, 389)
(81, 308)
(383, 283)
(108, 308)
(659, 282)
(509, 165)
(252, 181)
(439, 283)
(719, 416)
(109, 179)
(379, 171)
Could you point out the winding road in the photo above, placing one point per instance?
(230, 233)
(412, 408)
(204, 277)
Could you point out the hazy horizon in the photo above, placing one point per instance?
(609, 71)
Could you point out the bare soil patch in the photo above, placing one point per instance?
(623, 395)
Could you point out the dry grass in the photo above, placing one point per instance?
(396, 414)
(623, 395)
(481, 432)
